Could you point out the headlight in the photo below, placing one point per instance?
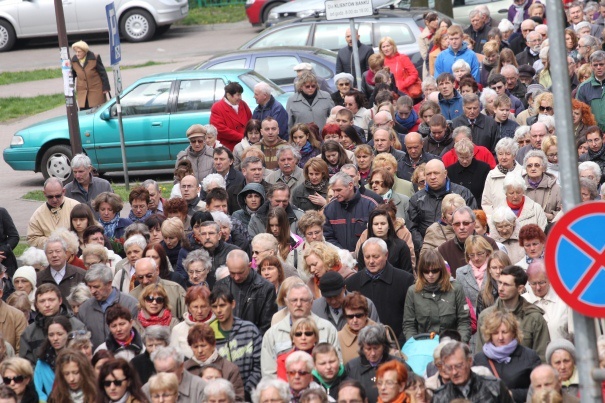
(17, 141)
(274, 15)
(306, 13)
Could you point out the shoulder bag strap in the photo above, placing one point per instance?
(493, 367)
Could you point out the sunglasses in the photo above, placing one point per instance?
(159, 300)
(300, 373)
(308, 334)
(355, 315)
(431, 271)
(17, 379)
(117, 382)
(196, 141)
(545, 108)
(378, 183)
(50, 197)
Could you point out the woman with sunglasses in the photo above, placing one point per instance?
(357, 314)
(202, 341)
(543, 105)
(154, 309)
(57, 330)
(435, 303)
(124, 340)
(119, 383)
(309, 103)
(17, 374)
(472, 276)
(304, 335)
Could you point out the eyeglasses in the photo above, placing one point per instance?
(355, 315)
(299, 334)
(159, 300)
(17, 379)
(536, 165)
(196, 141)
(50, 197)
(431, 271)
(555, 155)
(545, 108)
(387, 382)
(457, 367)
(497, 87)
(299, 373)
(309, 86)
(347, 84)
(117, 382)
(474, 255)
(598, 64)
(538, 283)
(462, 224)
(377, 183)
(258, 252)
(196, 272)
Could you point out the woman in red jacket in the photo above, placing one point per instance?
(230, 116)
(401, 66)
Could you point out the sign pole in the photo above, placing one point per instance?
(584, 328)
(357, 68)
(116, 57)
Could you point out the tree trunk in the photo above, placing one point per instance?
(445, 7)
(419, 3)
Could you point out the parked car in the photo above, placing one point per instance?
(157, 111)
(138, 20)
(498, 9)
(404, 26)
(277, 63)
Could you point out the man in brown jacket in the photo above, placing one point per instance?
(12, 323)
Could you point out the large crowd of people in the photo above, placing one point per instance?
(382, 243)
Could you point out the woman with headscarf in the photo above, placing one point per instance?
(24, 280)
(344, 83)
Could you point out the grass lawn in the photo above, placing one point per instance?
(214, 15)
(120, 190)
(16, 107)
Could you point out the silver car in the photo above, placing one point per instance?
(139, 20)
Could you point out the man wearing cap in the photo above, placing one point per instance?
(197, 153)
(333, 293)
(269, 106)
(321, 82)
(527, 74)
(344, 60)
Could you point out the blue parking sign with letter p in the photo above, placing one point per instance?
(114, 34)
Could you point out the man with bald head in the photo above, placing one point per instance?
(384, 136)
(545, 377)
(190, 191)
(414, 156)
(254, 296)
(537, 132)
(51, 215)
(425, 205)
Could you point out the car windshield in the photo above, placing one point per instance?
(252, 78)
(326, 55)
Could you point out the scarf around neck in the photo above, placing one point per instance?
(320, 187)
(134, 218)
(500, 354)
(163, 318)
(213, 357)
(506, 170)
(306, 149)
(520, 12)
(110, 227)
(479, 272)
(516, 208)
(408, 122)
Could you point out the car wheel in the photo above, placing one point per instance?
(161, 30)
(56, 162)
(137, 26)
(7, 36)
(268, 9)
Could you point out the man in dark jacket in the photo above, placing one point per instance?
(254, 296)
(464, 384)
(513, 84)
(413, 157)
(49, 303)
(532, 52)
(347, 213)
(498, 83)
(85, 187)
(385, 285)
(269, 106)
(425, 205)
(344, 60)
(59, 272)
(384, 138)
(478, 30)
(235, 180)
(596, 151)
(483, 127)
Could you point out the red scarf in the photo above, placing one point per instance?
(370, 77)
(335, 268)
(203, 320)
(516, 208)
(164, 318)
(402, 398)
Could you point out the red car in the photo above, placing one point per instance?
(258, 10)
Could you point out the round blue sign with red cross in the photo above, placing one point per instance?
(575, 258)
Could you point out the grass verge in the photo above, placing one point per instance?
(214, 15)
(120, 190)
(16, 107)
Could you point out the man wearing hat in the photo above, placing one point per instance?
(200, 156)
(333, 293)
(526, 74)
(344, 60)
(302, 67)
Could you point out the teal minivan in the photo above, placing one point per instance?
(156, 112)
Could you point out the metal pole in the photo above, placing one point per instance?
(357, 67)
(584, 329)
(68, 82)
(122, 143)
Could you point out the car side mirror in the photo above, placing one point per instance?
(105, 114)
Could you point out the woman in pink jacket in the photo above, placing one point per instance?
(401, 66)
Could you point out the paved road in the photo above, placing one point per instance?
(175, 48)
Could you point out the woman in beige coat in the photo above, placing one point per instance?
(92, 83)
(542, 187)
(526, 210)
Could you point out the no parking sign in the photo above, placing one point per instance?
(575, 258)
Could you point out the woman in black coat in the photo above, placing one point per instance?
(9, 239)
(504, 355)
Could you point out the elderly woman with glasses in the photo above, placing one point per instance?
(154, 336)
(542, 186)
(309, 103)
(271, 391)
(526, 210)
(435, 303)
(544, 105)
(493, 192)
(164, 388)
(504, 230)
(344, 83)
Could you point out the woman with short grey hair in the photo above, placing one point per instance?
(309, 103)
(153, 337)
(212, 181)
(271, 390)
(526, 210)
(542, 186)
(79, 294)
(493, 192)
(504, 229)
(197, 264)
(219, 390)
(588, 190)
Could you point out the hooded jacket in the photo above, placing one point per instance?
(243, 214)
(258, 221)
(535, 329)
(446, 59)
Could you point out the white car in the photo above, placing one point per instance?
(139, 20)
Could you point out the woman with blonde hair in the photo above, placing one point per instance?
(304, 335)
(491, 51)
(92, 83)
(388, 162)
(163, 387)
(154, 309)
(489, 292)
(17, 373)
(364, 155)
(406, 75)
(435, 303)
(472, 276)
(319, 259)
